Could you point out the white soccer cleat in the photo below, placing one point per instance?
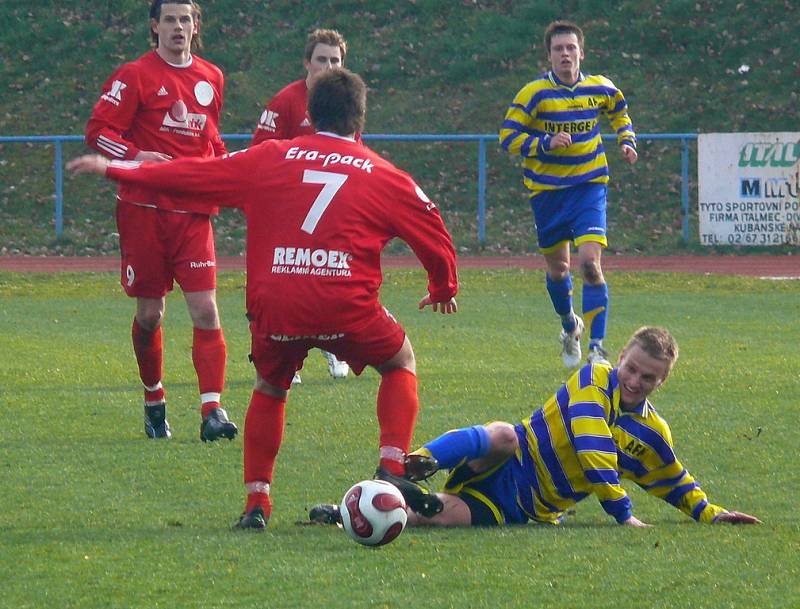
(296, 380)
(598, 355)
(337, 368)
(571, 344)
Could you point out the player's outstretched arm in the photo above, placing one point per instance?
(444, 307)
(152, 156)
(88, 163)
(736, 518)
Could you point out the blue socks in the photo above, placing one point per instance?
(458, 445)
(595, 310)
(561, 297)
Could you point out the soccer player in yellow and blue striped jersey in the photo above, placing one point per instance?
(554, 125)
(598, 428)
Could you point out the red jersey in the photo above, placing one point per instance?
(320, 209)
(150, 104)
(286, 115)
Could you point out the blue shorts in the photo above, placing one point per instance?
(577, 214)
(491, 496)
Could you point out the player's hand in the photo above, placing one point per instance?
(633, 521)
(153, 157)
(88, 163)
(629, 154)
(443, 307)
(562, 139)
(737, 518)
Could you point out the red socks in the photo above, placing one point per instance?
(149, 350)
(398, 405)
(263, 434)
(208, 354)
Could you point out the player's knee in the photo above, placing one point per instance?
(591, 271)
(149, 320)
(559, 270)
(502, 437)
(205, 316)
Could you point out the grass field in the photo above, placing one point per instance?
(92, 515)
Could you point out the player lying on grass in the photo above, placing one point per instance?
(597, 428)
(320, 209)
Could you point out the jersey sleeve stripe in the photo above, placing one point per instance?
(675, 495)
(632, 465)
(602, 444)
(602, 476)
(586, 409)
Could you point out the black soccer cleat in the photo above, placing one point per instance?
(418, 498)
(216, 425)
(325, 513)
(420, 467)
(155, 421)
(253, 520)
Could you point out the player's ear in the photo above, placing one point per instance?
(154, 26)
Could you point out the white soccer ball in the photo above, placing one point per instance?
(373, 512)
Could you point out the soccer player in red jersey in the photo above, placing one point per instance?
(320, 209)
(286, 117)
(165, 105)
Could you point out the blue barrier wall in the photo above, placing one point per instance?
(481, 139)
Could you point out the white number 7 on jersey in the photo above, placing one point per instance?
(332, 182)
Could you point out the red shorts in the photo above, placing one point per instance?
(159, 247)
(276, 357)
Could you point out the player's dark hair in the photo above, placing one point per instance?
(337, 102)
(561, 27)
(657, 342)
(329, 37)
(197, 15)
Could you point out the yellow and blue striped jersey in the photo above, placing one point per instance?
(545, 106)
(581, 442)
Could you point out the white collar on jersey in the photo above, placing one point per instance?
(180, 65)
(337, 136)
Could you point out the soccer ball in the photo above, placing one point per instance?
(373, 512)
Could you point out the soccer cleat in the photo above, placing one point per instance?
(216, 425)
(420, 467)
(336, 367)
(571, 344)
(325, 513)
(155, 421)
(418, 498)
(597, 355)
(254, 520)
(296, 380)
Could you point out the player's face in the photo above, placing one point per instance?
(639, 374)
(565, 57)
(175, 30)
(325, 57)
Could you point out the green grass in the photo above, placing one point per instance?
(94, 515)
(432, 67)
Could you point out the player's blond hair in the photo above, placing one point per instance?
(330, 37)
(197, 15)
(561, 27)
(657, 342)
